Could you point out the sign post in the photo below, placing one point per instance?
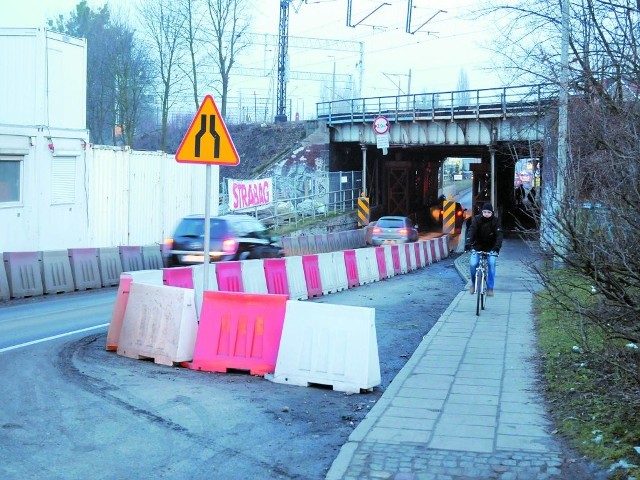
(208, 142)
(381, 128)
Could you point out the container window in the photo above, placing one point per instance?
(10, 179)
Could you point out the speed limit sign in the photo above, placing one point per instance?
(381, 125)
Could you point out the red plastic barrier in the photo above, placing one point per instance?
(407, 254)
(382, 263)
(427, 254)
(275, 273)
(344, 240)
(312, 275)
(351, 265)
(416, 251)
(432, 245)
(229, 276)
(442, 241)
(113, 335)
(239, 331)
(395, 257)
(178, 277)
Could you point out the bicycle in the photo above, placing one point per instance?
(482, 273)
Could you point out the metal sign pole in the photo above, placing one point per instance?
(207, 229)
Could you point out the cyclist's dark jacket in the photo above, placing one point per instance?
(484, 234)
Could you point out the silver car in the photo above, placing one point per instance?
(393, 229)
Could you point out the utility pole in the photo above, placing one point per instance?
(283, 39)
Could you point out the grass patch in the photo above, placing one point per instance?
(593, 407)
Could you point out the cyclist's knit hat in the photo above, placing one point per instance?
(487, 206)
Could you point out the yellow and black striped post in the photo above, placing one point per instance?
(363, 211)
(448, 216)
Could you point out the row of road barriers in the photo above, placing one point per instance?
(253, 316)
(30, 274)
(324, 242)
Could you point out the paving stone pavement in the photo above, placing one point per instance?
(465, 406)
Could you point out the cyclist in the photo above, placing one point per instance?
(484, 235)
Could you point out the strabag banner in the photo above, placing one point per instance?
(250, 194)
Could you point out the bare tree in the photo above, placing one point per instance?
(194, 39)
(594, 232)
(463, 95)
(229, 22)
(164, 24)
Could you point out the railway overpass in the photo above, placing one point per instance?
(402, 166)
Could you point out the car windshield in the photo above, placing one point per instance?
(390, 223)
(193, 227)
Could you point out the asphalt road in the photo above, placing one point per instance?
(72, 410)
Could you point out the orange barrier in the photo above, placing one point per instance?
(178, 277)
(131, 258)
(118, 311)
(275, 273)
(395, 257)
(24, 273)
(84, 268)
(351, 265)
(229, 276)
(382, 263)
(312, 275)
(239, 331)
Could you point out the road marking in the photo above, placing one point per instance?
(13, 347)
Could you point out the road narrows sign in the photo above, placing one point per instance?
(208, 141)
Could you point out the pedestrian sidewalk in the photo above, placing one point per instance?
(465, 406)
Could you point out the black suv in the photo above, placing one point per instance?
(233, 237)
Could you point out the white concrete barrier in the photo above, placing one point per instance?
(340, 269)
(326, 344)
(159, 323)
(388, 260)
(402, 253)
(198, 283)
(295, 278)
(367, 265)
(328, 273)
(149, 277)
(253, 279)
(412, 257)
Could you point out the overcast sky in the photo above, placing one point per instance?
(431, 58)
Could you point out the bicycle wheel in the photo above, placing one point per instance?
(483, 292)
(479, 284)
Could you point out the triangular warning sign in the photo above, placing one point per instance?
(207, 140)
